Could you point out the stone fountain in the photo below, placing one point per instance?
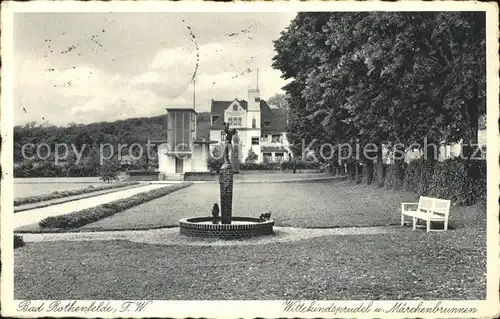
(226, 226)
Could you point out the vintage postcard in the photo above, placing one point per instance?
(242, 160)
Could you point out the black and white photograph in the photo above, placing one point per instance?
(241, 160)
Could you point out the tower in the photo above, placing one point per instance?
(253, 120)
(253, 117)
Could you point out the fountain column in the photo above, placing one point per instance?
(226, 180)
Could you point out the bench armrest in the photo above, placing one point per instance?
(404, 206)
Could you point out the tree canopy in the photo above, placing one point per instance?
(384, 77)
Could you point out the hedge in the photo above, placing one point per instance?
(275, 166)
(57, 194)
(90, 215)
(459, 180)
(18, 241)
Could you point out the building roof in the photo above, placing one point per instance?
(180, 109)
(275, 117)
(218, 107)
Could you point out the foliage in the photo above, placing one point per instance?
(300, 164)
(460, 180)
(109, 171)
(59, 194)
(90, 215)
(279, 100)
(467, 177)
(84, 139)
(419, 176)
(285, 165)
(18, 241)
(251, 157)
(265, 166)
(383, 77)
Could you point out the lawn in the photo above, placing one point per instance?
(24, 187)
(318, 204)
(398, 265)
(403, 265)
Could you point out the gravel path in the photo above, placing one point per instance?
(66, 199)
(171, 237)
(33, 216)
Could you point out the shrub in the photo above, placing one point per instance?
(109, 171)
(18, 241)
(251, 157)
(419, 176)
(265, 166)
(90, 215)
(300, 164)
(59, 194)
(462, 181)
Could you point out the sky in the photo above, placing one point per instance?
(92, 67)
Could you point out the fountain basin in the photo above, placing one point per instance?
(240, 227)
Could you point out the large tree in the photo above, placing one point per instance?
(384, 77)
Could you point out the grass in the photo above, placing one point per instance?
(398, 266)
(67, 193)
(406, 265)
(93, 214)
(315, 205)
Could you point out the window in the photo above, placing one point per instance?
(239, 121)
(235, 107)
(279, 156)
(230, 121)
(254, 123)
(257, 99)
(215, 118)
(276, 139)
(263, 138)
(267, 123)
(267, 157)
(255, 141)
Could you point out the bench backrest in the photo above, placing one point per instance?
(441, 206)
(434, 205)
(425, 204)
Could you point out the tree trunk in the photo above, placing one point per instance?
(380, 168)
(398, 169)
(352, 171)
(369, 171)
(357, 170)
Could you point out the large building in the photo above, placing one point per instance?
(181, 151)
(261, 128)
(191, 136)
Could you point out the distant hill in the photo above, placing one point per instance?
(88, 137)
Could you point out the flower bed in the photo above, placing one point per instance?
(90, 215)
(57, 194)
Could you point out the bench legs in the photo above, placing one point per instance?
(428, 224)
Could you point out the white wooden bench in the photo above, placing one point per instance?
(428, 209)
